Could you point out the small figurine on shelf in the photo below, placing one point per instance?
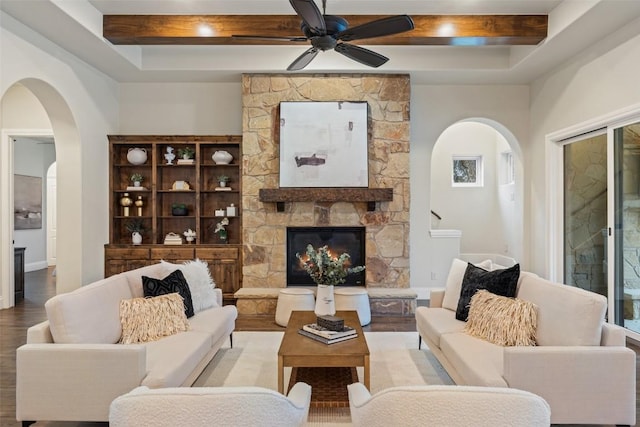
(169, 156)
(190, 235)
(221, 231)
(125, 202)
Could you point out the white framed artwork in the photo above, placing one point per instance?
(466, 171)
(324, 144)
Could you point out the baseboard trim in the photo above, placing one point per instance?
(34, 266)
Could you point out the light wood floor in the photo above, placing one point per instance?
(40, 286)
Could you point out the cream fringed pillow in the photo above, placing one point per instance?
(502, 320)
(149, 319)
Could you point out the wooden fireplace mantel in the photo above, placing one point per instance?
(280, 196)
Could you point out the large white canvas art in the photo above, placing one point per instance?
(323, 144)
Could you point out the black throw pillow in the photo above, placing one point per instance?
(500, 282)
(174, 282)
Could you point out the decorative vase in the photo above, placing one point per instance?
(223, 183)
(325, 301)
(137, 156)
(136, 238)
(222, 157)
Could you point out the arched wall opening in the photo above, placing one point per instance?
(68, 194)
(490, 211)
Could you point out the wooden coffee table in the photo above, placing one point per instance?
(299, 351)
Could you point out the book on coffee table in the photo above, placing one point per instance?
(326, 340)
(314, 328)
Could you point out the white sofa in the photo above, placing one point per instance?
(580, 365)
(211, 406)
(451, 406)
(72, 366)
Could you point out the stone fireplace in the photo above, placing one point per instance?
(350, 240)
(265, 227)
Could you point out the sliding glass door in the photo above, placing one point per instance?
(626, 169)
(601, 217)
(585, 212)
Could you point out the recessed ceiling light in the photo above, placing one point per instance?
(446, 30)
(204, 30)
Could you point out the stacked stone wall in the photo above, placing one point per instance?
(264, 229)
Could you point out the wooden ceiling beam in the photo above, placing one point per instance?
(466, 30)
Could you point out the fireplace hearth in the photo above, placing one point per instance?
(339, 240)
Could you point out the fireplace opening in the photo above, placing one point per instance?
(339, 240)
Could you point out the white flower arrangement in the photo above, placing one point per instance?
(220, 229)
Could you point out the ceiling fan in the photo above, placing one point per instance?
(326, 32)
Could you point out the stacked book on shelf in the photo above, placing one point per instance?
(327, 336)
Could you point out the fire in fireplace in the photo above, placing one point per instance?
(339, 240)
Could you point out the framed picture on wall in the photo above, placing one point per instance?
(323, 144)
(466, 171)
(27, 202)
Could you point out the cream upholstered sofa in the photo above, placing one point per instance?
(580, 365)
(211, 406)
(72, 366)
(451, 406)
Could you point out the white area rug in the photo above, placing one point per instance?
(395, 360)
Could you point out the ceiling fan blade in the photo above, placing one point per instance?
(308, 11)
(303, 60)
(360, 54)
(378, 28)
(275, 38)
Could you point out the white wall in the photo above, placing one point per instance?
(510, 213)
(181, 108)
(33, 159)
(476, 211)
(20, 109)
(82, 106)
(601, 80)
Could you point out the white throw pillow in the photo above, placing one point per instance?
(454, 281)
(200, 282)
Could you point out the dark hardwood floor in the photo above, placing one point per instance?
(40, 286)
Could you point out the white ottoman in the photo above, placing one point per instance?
(354, 299)
(290, 299)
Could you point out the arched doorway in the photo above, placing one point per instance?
(69, 190)
(477, 187)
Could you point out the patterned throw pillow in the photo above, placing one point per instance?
(501, 320)
(499, 282)
(149, 319)
(174, 282)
